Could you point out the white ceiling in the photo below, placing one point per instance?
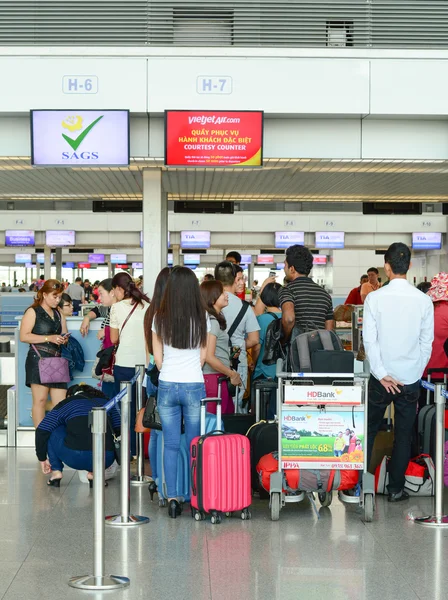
(279, 179)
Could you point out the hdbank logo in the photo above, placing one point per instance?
(294, 418)
(75, 125)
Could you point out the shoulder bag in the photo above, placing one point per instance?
(53, 369)
(107, 356)
(233, 351)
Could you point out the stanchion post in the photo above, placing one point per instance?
(140, 478)
(438, 519)
(124, 519)
(98, 581)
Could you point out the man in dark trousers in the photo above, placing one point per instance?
(398, 330)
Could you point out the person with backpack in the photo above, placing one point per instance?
(242, 325)
(304, 303)
(269, 298)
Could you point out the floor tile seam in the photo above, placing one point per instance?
(209, 566)
(16, 574)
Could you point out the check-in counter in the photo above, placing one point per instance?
(22, 421)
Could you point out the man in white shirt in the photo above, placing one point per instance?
(246, 334)
(398, 330)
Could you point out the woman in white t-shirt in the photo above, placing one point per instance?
(179, 340)
(126, 329)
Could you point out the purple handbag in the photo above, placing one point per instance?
(53, 369)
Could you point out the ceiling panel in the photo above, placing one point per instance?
(280, 179)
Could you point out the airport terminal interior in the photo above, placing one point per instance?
(136, 135)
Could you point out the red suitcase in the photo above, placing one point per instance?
(220, 472)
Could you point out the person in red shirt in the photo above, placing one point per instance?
(354, 296)
(438, 292)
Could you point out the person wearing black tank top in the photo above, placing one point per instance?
(46, 328)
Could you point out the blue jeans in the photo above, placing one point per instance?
(59, 454)
(152, 452)
(174, 399)
(126, 374)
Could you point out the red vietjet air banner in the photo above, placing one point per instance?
(204, 138)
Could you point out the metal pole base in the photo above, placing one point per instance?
(131, 521)
(141, 480)
(107, 582)
(433, 521)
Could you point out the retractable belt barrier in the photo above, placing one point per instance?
(98, 422)
(438, 519)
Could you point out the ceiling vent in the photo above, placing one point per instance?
(339, 34)
(199, 27)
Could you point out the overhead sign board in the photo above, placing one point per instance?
(86, 138)
(426, 241)
(137, 265)
(213, 138)
(330, 239)
(285, 239)
(41, 257)
(59, 238)
(15, 237)
(195, 239)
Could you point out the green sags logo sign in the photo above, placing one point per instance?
(75, 125)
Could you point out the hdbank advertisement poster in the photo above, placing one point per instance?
(77, 138)
(213, 138)
(313, 439)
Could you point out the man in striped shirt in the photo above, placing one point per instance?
(304, 303)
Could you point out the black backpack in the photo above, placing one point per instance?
(272, 347)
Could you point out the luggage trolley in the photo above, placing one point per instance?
(302, 402)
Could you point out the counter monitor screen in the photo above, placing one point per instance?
(96, 258)
(29, 265)
(192, 259)
(14, 237)
(265, 259)
(330, 239)
(69, 265)
(83, 265)
(280, 266)
(319, 260)
(23, 258)
(118, 259)
(59, 238)
(170, 260)
(285, 239)
(427, 241)
(41, 258)
(137, 265)
(195, 239)
(246, 259)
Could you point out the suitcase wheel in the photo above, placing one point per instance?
(197, 514)
(216, 518)
(228, 514)
(246, 515)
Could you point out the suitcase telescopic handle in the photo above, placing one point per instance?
(204, 402)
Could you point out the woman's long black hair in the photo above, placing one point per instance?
(181, 319)
(156, 301)
(124, 280)
(210, 292)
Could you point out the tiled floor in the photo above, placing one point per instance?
(46, 538)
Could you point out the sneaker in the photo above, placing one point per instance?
(111, 471)
(83, 476)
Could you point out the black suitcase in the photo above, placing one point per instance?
(426, 422)
(263, 437)
(238, 423)
(263, 390)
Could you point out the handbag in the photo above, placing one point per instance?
(107, 356)
(419, 476)
(150, 415)
(106, 377)
(53, 369)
